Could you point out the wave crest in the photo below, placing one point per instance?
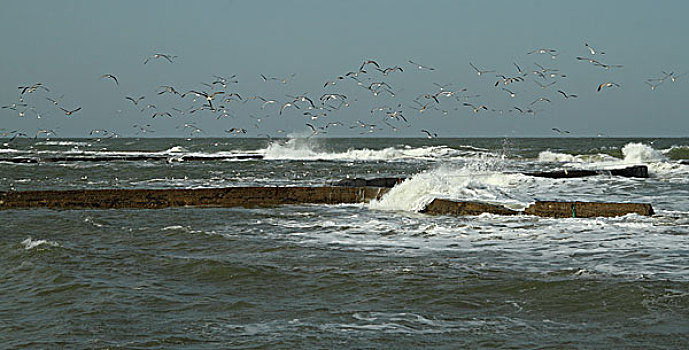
(310, 149)
(552, 157)
(467, 183)
(640, 153)
(31, 243)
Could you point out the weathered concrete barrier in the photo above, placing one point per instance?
(448, 207)
(205, 197)
(587, 209)
(274, 196)
(639, 171)
(545, 209)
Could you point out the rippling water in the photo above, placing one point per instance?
(376, 275)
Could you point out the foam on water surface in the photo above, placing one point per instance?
(307, 149)
(455, 183)
(30, 243)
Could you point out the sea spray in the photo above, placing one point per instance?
(640, 153)
(293, 148)
(312, 149)
(554, 157)
(633, 153)
(470, 183)
(30, 243)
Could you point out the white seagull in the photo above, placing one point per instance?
(608, 84)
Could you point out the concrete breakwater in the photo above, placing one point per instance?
(540, 208)
(274, 196)
(202, 197)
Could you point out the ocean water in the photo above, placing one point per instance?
(376, 275)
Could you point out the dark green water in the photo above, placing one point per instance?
(350, 276)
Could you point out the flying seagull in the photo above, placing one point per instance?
(560, 131)
(68, 112)
(135, 101)
(429, 134)
(160, 55)
(361, 68)
(476, 109)
(478, 71)
(110, 76)
(421, 66)
(565, 94)
(158, 114)
(591, 50)
(608, 84)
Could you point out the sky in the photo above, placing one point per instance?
(68, 46)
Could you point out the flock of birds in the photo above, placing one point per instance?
(370, 82)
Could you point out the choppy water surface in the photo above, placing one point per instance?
(376, 275)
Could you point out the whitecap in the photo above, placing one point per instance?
(62, 143)
(554, 157)
(311, 149)
(640, 153)
(450, 182)
(175, 149)
(31, 243)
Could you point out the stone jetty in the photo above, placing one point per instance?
(273, 196)
(201, 197)
(550, 209)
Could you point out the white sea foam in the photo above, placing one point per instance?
(550, 157)
(633, 154)
(31, 243)
(176, 153)
(309, 149)
(640, 153)
(449, 182)
(175, 150)
(658, 164)
(669, 171)
(62, 143)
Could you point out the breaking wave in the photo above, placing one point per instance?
(456, 183)
(31, 243)
(309, 149)
(633, 153)
(658, 161)
(640, 153)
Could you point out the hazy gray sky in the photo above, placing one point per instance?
(69, 45)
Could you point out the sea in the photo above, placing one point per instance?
(377, 275)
